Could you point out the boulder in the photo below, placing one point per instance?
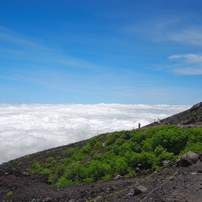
(137, 190)
(117, 177)
(165, 162)
(188, 159)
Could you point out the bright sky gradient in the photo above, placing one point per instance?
(107, 51)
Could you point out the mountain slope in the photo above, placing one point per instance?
(189, 118)
(130, 154)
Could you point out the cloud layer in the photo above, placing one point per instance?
(29, 128)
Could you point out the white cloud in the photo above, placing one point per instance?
(178, 29)
(189, 35)
(194, 58)
(189, 64)
(15, 38)
(189, 71)
(22, 47)
(29, 128)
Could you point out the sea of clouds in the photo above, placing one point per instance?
(28, 128)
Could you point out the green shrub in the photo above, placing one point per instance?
(171, 138)
(46, 171)
(88, 180)
(95, 139)
(98, 145)
(106, 177)
(60, 169)
(147, 145)
(119, 166)
(96, 170)
(9, 194)
(36, 167)
(64, 182)
(69, 152)
(67, 161)
(116, 149)
(112, 137)
(161, 154)
(132, 159)
(50, 162)
(125, 135)
(98, 156)
(147, 160)
(159, 150)
(86, 149)
(122, 152)
(135, 147)
(195, 147)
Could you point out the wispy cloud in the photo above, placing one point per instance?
(189, 71)
(30, 128)
(154, 29)
(15, 38)
(189, 64)
(188, 35)
(174, 29)
(193, 58)
(26, 48)
(30, 60)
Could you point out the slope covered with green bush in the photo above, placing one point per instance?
(106, 155)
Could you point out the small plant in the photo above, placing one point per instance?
(19, 163)
(9, 194)
(166, 169)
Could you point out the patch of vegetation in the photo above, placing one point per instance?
(9, 194)
(121, 153)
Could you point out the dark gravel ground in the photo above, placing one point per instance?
(179, 184)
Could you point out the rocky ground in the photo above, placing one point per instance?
(171, 183)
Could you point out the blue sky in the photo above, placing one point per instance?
(109, 51)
